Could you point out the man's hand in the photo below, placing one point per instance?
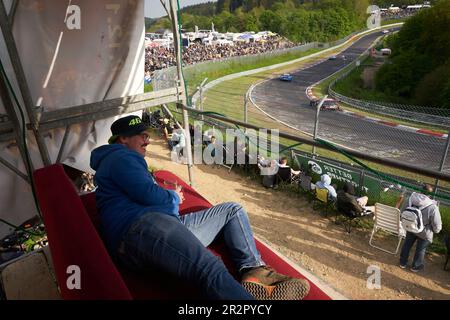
(179, 193)
(400, 201)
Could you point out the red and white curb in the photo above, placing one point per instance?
(427, 132)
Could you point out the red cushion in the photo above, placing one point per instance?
(73, 240)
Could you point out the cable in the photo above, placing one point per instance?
(22, 229)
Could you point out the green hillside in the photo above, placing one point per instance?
(419, 68)
(149, 22)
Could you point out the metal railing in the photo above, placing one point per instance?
(428, 116)
(310, 141)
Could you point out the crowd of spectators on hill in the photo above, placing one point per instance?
(400, 13)
(160, 57)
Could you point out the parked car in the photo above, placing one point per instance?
(328, 104)
(286, 77)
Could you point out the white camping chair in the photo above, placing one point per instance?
(387, 218)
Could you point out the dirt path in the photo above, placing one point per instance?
(312, 241)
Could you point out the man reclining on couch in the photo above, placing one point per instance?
(142, 228)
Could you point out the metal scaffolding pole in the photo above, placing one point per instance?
(183, 99)
(316, 122)
(12, 11)
(18, 136)
(18, 69)
(441, 166)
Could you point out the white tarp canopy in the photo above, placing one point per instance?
(72, 53)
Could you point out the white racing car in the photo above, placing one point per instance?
(328, 104)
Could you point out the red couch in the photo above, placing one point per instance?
(71, 222)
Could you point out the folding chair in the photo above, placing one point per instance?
(321, 197)
(305, 185)
(348, 220)
(224, 163)
(223, 159)
(387, 219)
(285, 175)
(295, 178)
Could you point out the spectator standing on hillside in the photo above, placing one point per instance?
(432, 222)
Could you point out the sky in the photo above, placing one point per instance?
(154, 8)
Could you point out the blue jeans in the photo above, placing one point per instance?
(179, 247)
(421, 248)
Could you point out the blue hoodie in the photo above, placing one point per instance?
(126, 190)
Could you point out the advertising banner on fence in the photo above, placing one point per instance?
(341, 173)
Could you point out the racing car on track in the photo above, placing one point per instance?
(286, 77)
(328, 104)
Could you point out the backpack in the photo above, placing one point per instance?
(411, 219)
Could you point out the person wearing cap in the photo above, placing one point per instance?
(142, 228)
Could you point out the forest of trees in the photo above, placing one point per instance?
(419, 68)
(202, 9)
(298, 20)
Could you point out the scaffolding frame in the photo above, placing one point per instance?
(41, 121)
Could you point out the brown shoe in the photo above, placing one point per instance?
(264, 283)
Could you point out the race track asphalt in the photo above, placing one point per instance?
(287, 101)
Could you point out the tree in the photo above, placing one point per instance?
(418, 68)
(296, 26)
(271, 21)
(433, 89)
(251, 23)
(297, 20)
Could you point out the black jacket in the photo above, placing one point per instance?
(346, 204)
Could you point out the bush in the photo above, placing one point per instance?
(445, 215)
